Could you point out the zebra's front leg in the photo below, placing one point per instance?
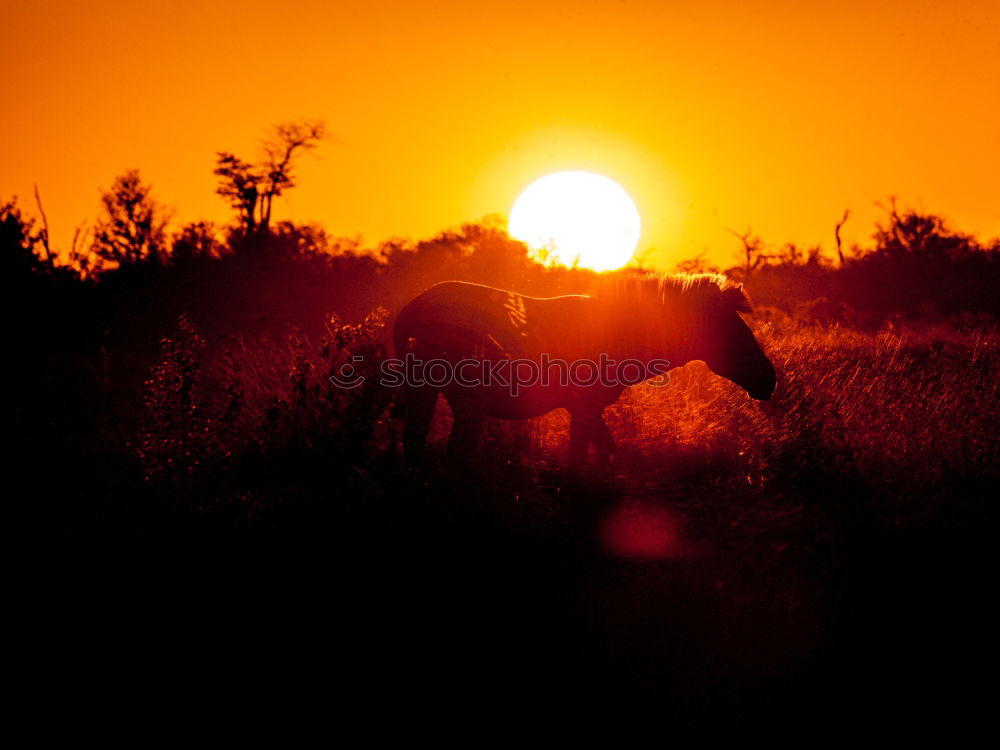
(587, 426)
(419, 403)
(466, 430)
(579, 442)
(602, 439)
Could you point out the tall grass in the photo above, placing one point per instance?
(903, 415)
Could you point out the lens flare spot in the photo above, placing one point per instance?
(641, 531)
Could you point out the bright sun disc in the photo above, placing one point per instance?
(577, 218)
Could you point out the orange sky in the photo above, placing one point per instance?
(712, 114)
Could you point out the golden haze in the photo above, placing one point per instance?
(777, 114)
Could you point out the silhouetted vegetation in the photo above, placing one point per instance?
(132, 228)
(252, 187)
(742, 572)
(918, 268)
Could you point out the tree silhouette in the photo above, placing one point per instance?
(198, 239)
(18, 240)
(251, 188)
(132, 229)
(912, 233)
(752, 253)
(698, 264)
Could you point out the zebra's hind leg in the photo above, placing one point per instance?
(420, 403)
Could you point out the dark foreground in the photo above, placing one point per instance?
(816, 575)
(431, 616)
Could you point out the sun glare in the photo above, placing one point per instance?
(577, 218)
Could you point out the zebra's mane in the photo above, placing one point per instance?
(694, 293)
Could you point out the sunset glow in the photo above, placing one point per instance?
(538, 367)
(577, 218)
(714, 115)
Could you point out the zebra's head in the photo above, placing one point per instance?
(693, 316)
(729, 348)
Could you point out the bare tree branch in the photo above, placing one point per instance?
(836, 233)
(753, 251)
(44, 236)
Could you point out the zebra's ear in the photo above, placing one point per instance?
(737, 297)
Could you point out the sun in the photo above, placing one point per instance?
(576, 218)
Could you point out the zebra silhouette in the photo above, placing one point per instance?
(640, 322)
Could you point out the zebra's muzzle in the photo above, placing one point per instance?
(761, 395)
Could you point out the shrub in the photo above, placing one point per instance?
(241, 436)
